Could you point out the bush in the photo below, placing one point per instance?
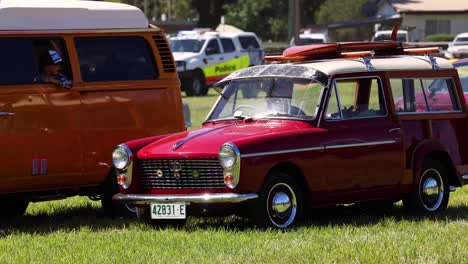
(440, 37)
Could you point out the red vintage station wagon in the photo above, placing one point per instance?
(326, 124)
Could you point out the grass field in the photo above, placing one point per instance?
(74, 230)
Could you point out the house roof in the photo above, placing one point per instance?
(430, 6)
(68, 14)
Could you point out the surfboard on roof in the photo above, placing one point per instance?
(69, 15)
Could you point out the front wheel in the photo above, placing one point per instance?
(195, 86)
(13, 207)
(432, 191)
(280, 202)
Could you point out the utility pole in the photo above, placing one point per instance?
(294, 18)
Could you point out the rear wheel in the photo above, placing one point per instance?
(13, 206)
(280, 202)
(432, 191)
(195, 86)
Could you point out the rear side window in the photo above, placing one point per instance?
(228, 45)
(115, 59)
(424, 95)
(248, 42)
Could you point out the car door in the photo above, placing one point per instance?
(38, 146)
(216, 68)
(364, 145)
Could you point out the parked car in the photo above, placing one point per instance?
(308, 37)
(402, 35)
(58, 129)
(318, 133)
(202, 59)
(462, 68)
(458, 48)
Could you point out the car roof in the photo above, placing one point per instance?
(462, 35)
(20, 15)
(390, 63)
(319, 69)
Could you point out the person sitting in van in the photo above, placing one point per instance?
(51, 67)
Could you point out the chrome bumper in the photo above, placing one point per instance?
(213, 198)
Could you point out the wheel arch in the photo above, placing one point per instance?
(435, 150)
(293, 171)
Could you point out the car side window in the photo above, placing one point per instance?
(356, 98)
(228, 45)
(213, 47)
(424, 95)
(115, 59)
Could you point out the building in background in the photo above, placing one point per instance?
(427, 17)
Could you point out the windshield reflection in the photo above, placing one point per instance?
(269, 98)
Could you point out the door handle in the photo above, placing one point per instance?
(7, 114)
(395, 130)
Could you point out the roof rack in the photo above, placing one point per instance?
(350, 50)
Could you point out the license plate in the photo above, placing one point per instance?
(168, 211)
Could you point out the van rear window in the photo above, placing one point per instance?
(115, 59)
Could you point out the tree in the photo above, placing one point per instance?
(268, 18)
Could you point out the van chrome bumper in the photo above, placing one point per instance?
(212, 198)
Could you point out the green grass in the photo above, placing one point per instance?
(74, 230)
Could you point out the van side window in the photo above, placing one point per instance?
(24, 59)
(115, 59)
(18, 64)
(228, 45)
(248, 42)
(356, 98)
(424, 95)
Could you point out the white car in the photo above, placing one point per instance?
(402, 35)
(308, 37)
(459, 47)
(204, 59)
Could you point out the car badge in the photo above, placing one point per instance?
(196, 174)
(175, 167)
(159, 173)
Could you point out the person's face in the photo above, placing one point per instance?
(53, 69)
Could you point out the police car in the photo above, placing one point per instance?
(203, 59)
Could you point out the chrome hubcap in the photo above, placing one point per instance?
(281, 205)
(431, 189)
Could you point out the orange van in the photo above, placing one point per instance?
(76, 79)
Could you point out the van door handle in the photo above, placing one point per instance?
(7, 114)
(395, 130)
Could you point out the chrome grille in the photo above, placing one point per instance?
(210, 174)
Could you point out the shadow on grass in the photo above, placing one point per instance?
(92, 218)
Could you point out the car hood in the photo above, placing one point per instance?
(183, 56)
(206, 142)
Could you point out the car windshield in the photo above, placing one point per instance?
(186, 45)
(258, 98)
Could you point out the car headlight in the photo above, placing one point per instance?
(227, 156)
(122, 157)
